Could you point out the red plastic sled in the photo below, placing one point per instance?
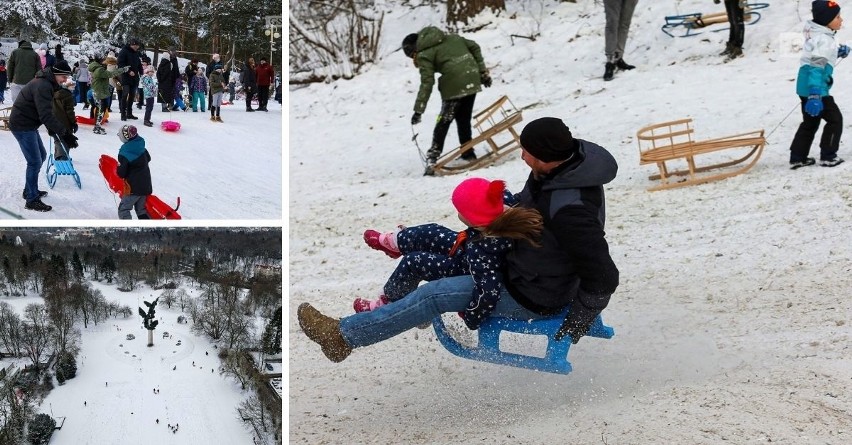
(88, 120)
(170, 125)
(157, 209)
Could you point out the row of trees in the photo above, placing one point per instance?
(191, 26)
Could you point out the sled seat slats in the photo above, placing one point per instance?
(671, 141)
(65, 168)
(4, 118)
(496, 127)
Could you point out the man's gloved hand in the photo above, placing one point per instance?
(70, 140)
(814, 104)
(485, 79)
(577, 323)
(842, 51)
(415, 118)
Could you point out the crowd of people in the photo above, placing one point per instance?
(45, 90)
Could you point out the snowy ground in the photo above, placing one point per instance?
(229, 170)
(732, 317)
(116, 378)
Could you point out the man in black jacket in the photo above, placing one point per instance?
(32, 108)
(129, 56)
(571, 269)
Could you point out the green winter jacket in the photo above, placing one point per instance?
(23, 64)
(100, 79)
(215, 81)
(458, 60)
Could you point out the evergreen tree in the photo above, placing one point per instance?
(271, 342)
(76, 267)
(40, 429)
(29, 19)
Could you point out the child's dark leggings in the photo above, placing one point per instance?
(830, 141)
(149, 105)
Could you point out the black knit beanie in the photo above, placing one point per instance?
(409, 45)
(824, 11)
(548, 139)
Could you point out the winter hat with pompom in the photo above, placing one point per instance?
(479, 201)
(127, 132)
(824, 11)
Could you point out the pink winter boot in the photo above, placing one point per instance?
(386, 242)
(362, 305)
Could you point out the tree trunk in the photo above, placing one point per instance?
(460, 11)
(150, 337)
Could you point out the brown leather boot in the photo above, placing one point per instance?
(325, 331)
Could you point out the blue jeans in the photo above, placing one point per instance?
(421, 306)
(35, 154)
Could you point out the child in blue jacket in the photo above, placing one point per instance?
(819, 57)
(133, 161)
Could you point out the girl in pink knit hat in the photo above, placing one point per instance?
(431, 251)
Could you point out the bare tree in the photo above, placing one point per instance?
(10, 329)
(37, 332)
(332, 39)
(256, 418)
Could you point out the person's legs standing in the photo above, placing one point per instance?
(126, 204)
(129, 92)
(59, 151)
(612, 11)
(149, 107)
(14, 90)
(442, 126)
(625, 16)
(34, 154)
(804, 137)
(262, 96)
(833, 129)
(84, 91)
(139, 207)
(249, 93)
(464, 113)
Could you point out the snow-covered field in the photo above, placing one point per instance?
(112, 399)
(732, 317)
(220, 171)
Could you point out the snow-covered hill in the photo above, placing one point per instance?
(732, 314)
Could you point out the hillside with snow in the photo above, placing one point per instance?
(732, 316)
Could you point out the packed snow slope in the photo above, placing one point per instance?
(732, 316)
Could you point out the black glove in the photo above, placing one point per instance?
(70, 140)
(577, 323)
(415, 118)
(485, 79)
(74, 128)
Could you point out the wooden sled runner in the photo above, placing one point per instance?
(697, 20)
(60, 168)
(496, 126)
(672, 141)
(488, 350)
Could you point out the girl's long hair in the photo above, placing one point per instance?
(517, 223)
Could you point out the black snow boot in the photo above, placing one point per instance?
(622, 65)
(609, 72)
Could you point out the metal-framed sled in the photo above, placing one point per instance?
(697, 20)
(496, 126)
(555, 359)
(672, 141)
(63, 167)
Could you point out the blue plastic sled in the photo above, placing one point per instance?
(488, 349)
(697, 20)
(60, 168)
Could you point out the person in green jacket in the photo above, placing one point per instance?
(22, 67)
(100, 86)
(463, 72)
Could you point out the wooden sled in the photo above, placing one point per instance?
(56, 168)
(496, 126)
(671, 141)
(555, 359)
(4, 118)
(697, 20)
